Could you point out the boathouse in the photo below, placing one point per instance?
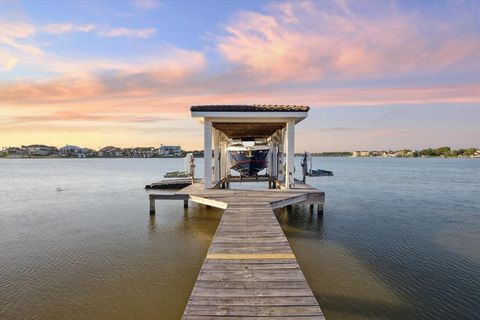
(250, 271)
(273, 123)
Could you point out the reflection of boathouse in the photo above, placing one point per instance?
(253, 129)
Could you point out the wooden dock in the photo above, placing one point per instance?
(250, 271)
(171, 183)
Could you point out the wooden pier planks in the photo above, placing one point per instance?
(250, 271)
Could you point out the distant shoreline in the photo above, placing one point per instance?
(60, 157)
(43, 151)
(201, 157)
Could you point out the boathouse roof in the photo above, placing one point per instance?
(250, 108)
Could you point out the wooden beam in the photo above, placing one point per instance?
(208, 202)
(289, 201)
(248, 130)
(168, 196)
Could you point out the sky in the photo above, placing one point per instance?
(376, 74)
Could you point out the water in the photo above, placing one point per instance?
(399, 240)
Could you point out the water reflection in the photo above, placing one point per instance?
(301, 221)
(152, 224)
(345, 286)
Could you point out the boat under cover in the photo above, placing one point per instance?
(248, 160)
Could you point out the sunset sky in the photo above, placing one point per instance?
(377, 74)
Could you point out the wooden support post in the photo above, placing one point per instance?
(281, 156)
(152, 205)
(207, 156)
(289, 174)
(185, 203)
(223, 156)
(216, 155)
(320, 209)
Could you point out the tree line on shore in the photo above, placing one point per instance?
(150, 152)
(444, 152)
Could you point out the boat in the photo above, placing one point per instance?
(319, 173)
(248, 160)
(309, 172)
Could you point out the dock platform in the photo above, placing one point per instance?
(171, 183)
(250, 271)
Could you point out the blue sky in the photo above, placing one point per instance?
(377, 74)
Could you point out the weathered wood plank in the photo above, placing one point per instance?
(192, 317)
(251, 284)
(259, 311)
(261, 301)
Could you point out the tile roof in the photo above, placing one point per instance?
(251, 108)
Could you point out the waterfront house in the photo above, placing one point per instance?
(36, 150)
(170, 150)
(72, 151)
(127, 152)
(110, 152)
(14, 152)
(89, 153)
(144, 152)
(361, 154)
(139, 152)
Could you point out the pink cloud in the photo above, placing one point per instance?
(308, 41)
(14, 34)
(48, 91)
(59, 28)
(83, 117)
(469, 93)
(97, 79)
(132, 33)
(173, 90)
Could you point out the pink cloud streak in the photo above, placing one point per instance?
(87, 117)
(95, 94)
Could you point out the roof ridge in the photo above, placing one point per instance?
(250, 108)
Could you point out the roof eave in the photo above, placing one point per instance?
(253, 116)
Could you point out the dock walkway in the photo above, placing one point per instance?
(250, 271)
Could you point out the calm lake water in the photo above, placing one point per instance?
(400, 239)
